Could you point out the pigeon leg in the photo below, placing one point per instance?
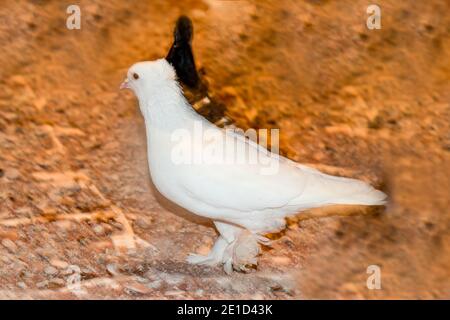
(243, 247)
(228, 231)
(228, 234)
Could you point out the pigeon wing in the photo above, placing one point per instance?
(269, 182)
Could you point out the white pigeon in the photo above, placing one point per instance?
(244, 199)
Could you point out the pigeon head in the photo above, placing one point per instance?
(149, 76)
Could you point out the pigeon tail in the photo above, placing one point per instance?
(370, 197)
(323, 189)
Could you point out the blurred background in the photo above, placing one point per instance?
(75, 198)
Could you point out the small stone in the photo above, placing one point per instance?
(173, 279)
(174, 293)
(42, 284)
(155, 284)
(22, 285)
(10, 245)
(40, 103)
(24, 211)
(281, 261)
(141, 279)
(142, 223)
(57, 282)
(64, 224)
(5, 259)
(99, 230)
(50, 271)
(11, 235)
(375, 123)
(11, 116)
(350, 91)
(88, 271)
(251, 114)
(18, 80)
(59, 264)
(136, 288)
(12, 174)
(199, 292)
(112, 269)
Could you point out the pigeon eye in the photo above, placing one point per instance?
(135, 76)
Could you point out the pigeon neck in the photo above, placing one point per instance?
(167, 108)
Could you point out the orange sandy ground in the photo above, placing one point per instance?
(74, 185)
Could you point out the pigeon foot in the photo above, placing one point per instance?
(243, 253)
(214, 257)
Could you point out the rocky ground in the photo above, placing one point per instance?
(75, 197)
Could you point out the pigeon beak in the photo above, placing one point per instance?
(125, 84)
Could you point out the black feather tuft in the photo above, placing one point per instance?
(180, 55)
(184, 31)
